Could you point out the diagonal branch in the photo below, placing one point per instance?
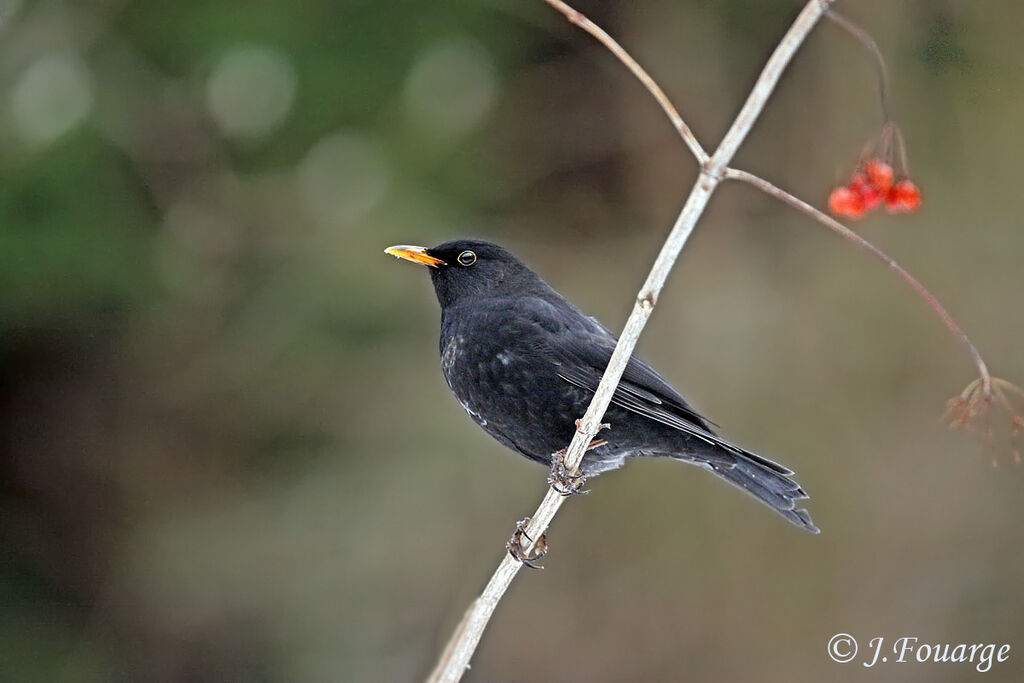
(593, 29)
(459, 651)
(844, 232)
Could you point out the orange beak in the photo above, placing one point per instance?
(414, 254)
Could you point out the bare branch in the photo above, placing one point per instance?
(593, 29)
(464, 642)
(848, 234)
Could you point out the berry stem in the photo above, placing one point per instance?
(865, 39)
(891, 129)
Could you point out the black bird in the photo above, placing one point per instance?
(524, 363)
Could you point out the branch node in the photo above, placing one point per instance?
(709, 175)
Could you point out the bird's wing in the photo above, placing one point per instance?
(580, 348)
(583, 355)
(582, 359)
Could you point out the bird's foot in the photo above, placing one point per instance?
(517, 551)
(562, 480)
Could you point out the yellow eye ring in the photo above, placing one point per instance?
(467, 258)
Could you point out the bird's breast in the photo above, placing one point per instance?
(507, 387)
(450, 351)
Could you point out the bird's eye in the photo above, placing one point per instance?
(467, 258)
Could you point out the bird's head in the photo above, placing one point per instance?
(462, 270)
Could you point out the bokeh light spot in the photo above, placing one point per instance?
(452, 87)
(52, 96)
(8, 10)
(251, 90)
(343, 177)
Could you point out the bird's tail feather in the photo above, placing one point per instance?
(767, 481)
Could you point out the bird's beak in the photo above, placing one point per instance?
(414, 254)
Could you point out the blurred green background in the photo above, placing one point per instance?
(226, 450)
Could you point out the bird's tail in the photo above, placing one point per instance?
(767, 481)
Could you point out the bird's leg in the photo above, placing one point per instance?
(561, 479)
(516, 550)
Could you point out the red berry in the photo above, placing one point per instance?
(859, 182)
(872, 197)
(879, 173)
(846, 202)
(904, 197)
(869, 195)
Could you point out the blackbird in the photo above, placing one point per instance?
(524, 363)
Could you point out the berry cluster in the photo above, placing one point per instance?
(871, 186)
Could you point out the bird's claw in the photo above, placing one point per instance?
(563, 481)
(517, 551)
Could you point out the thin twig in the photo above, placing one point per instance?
(652, 87)
(460, 650)
(844, 232)
(867, 41)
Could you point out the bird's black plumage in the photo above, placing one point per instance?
(524, 363)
